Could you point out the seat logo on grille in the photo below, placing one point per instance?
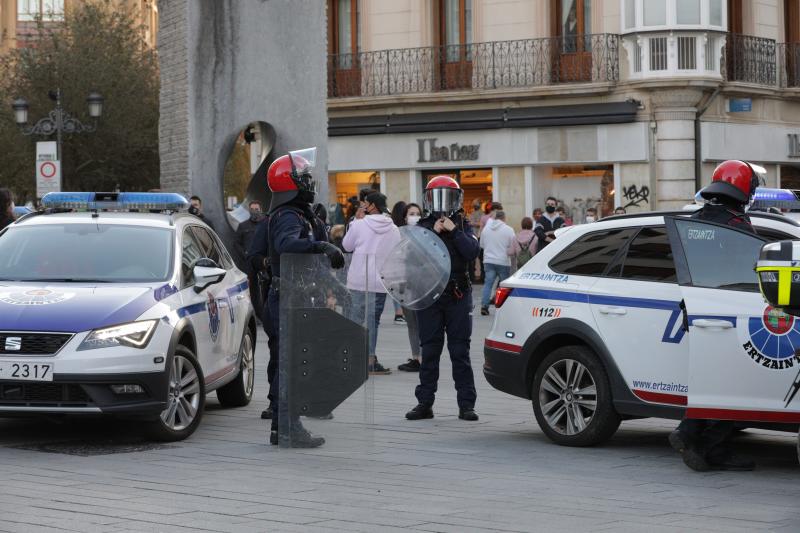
(13, 344)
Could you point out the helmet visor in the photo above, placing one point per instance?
(303, 163)
(444, 200)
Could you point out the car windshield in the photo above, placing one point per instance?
(85, 253)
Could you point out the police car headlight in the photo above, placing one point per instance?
(133, 334)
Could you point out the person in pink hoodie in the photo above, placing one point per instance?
(371, 239)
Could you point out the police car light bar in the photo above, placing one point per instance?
(113, 201)
(779, 198)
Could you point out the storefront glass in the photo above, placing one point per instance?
(577, 188)
(343, 186)
(790, 176)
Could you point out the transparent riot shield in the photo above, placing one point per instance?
(323, 346)
(416, 272)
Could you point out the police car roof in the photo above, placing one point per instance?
(163, 220)
(752, 214)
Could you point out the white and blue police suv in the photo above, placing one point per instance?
(119, 304)
(652, 315)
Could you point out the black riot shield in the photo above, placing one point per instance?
(323, 350)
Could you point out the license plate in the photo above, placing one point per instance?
(26, 371)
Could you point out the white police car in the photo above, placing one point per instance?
(646, 316)
(123, 306)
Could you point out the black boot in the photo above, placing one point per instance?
(299, 437)
(420, 412)
(266, 414)
(468, 414)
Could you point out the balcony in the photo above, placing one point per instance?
(478, 67)
(760, 61)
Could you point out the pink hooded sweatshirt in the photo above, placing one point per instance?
(371, 240)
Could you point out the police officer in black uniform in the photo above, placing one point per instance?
(702, 443)
(452, 312)
(293, 228)
(258, 261)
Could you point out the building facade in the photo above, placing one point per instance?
(599, 103)
(18, 19)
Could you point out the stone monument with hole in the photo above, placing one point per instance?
(229, 63)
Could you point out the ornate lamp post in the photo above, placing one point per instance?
(58, 121)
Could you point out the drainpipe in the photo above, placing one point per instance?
(698, 163)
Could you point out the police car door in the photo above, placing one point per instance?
(742, 362)
(636, 305)
(221, 311)
(194, 306)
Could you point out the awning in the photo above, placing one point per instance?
(526, 117)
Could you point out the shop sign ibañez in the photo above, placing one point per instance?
(454, 152)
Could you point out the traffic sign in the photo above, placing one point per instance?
(48, 168)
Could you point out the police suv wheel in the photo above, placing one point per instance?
(239, 392)
(186, 398)
(572, 398)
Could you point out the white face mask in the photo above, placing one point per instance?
(413, 219)
(589, 218)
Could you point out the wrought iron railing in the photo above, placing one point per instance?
(750, 59)
(789, 59)
(490, 65)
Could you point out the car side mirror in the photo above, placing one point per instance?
(206, 273)
(778, 271)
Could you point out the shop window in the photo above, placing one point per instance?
(344, 45)
(343, 187)
(573, 27)
(454, 36)
(48, 10)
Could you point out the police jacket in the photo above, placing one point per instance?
(730, 215)
(461, 244)
(293, 229)
(258, 250)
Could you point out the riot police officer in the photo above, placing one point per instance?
(732, 187)
(293, 228)
(702, 443)
(451, 314)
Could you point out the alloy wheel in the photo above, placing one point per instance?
(183, 399)
(248, 362)
(568, 397)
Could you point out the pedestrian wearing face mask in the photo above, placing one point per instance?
(413, 214)
(591, 215)
(244, 238)
(548, 223)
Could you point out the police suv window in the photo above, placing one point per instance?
(719, 257)
(209, 246)
(648, 258)
(592, 253)
(191, 252)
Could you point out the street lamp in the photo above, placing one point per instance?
(58, 121)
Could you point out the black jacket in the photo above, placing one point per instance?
(543, 227)
(461, 244)
(730, 215)
(5, 222)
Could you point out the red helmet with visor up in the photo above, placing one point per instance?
(289, 176)
(733, 179)
(443, 196)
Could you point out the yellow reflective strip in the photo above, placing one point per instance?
(784, 286)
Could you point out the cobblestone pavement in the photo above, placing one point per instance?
(498, 474)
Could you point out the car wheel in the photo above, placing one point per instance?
(572, 398)
(239, 392)
(186, 398)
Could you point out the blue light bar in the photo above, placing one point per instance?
(779, 198)
(124, 201)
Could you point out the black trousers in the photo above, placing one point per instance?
(707, 435)
(449, 316)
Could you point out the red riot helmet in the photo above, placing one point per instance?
(289, 177)
(733, 179)
(443, 196)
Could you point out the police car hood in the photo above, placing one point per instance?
(72, 307)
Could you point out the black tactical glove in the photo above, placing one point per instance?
(334, 254)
